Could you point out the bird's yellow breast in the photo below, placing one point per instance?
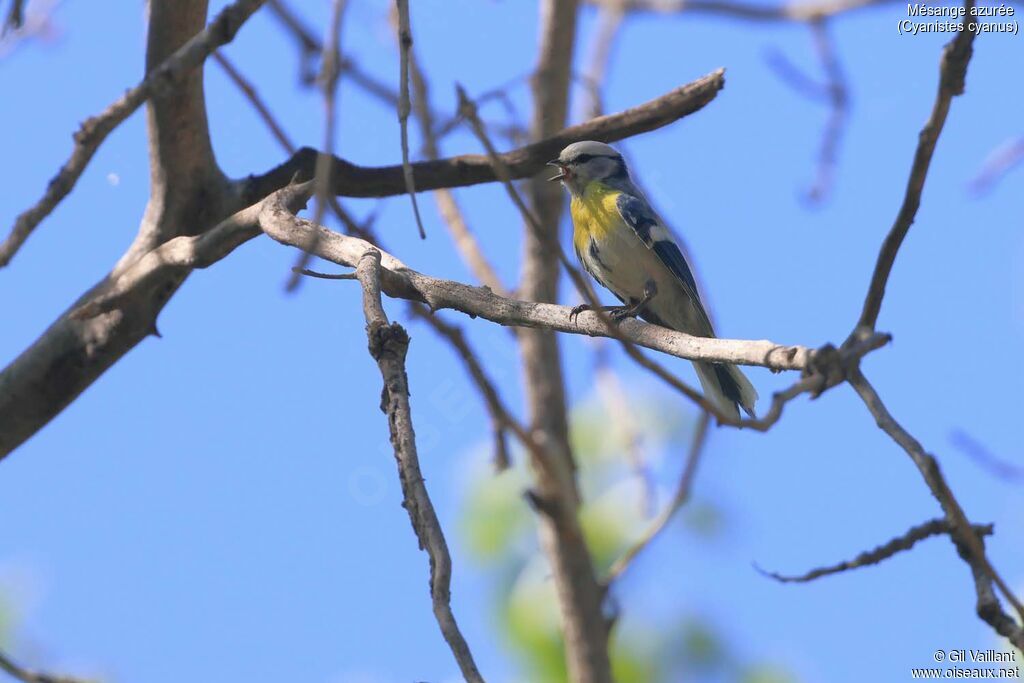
(594, 215)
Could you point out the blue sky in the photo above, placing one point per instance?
(223, 502)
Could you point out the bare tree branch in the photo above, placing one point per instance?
(834, 91)
(400, 281)
(1003, 469)
(311, 50)
(952, 72)
(623, 424)
(999, 162)
(467, 244)
(389, 343)
(309, 44)
(580, 599)
(838, 96)
(25, 676)
(826, 371)
(471, 169)
(969, 544)
(94, 130)
(907, 541)
(609, 22)
(682, 495)
(330, 72)
(405, 106)
(189, 194)
(250, 93)
(15, 17)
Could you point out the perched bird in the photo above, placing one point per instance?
(627, 248)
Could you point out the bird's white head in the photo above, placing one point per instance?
(581, 163)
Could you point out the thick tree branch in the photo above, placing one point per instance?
(188, 196)
(471, 169)
(580, 598)
(826, 371)
(400, 281)
(275, 216)
(162, 79)
(388, 344)
(883, 552)
(952, 73)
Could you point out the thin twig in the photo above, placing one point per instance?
(250, 93)
(968, 543)
(309, 45)
(623, 424)
(324, 276)
(277, 130)
(907, 541)
(467, 244)
(999, 162)
(952, 72)
(26, 676)
(405, 107)
(95, 130)
(389, 344)
(609, 21)
(514, 131)
(329, 75)
(311, 49)
(834, 91)
(1004, 470)
(682, 495)
(837, 90)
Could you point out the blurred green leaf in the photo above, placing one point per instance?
(500, 531)
(767, 673)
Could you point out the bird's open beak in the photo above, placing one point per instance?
(563, 172)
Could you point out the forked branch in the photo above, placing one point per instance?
(95, 129)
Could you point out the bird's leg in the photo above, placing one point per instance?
(620, 313)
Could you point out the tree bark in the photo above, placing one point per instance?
(188, 195)
(579, 595)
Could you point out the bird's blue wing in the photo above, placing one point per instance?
(638, 215)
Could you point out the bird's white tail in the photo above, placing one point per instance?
(727, 387)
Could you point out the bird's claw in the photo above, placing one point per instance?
(576, 310)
